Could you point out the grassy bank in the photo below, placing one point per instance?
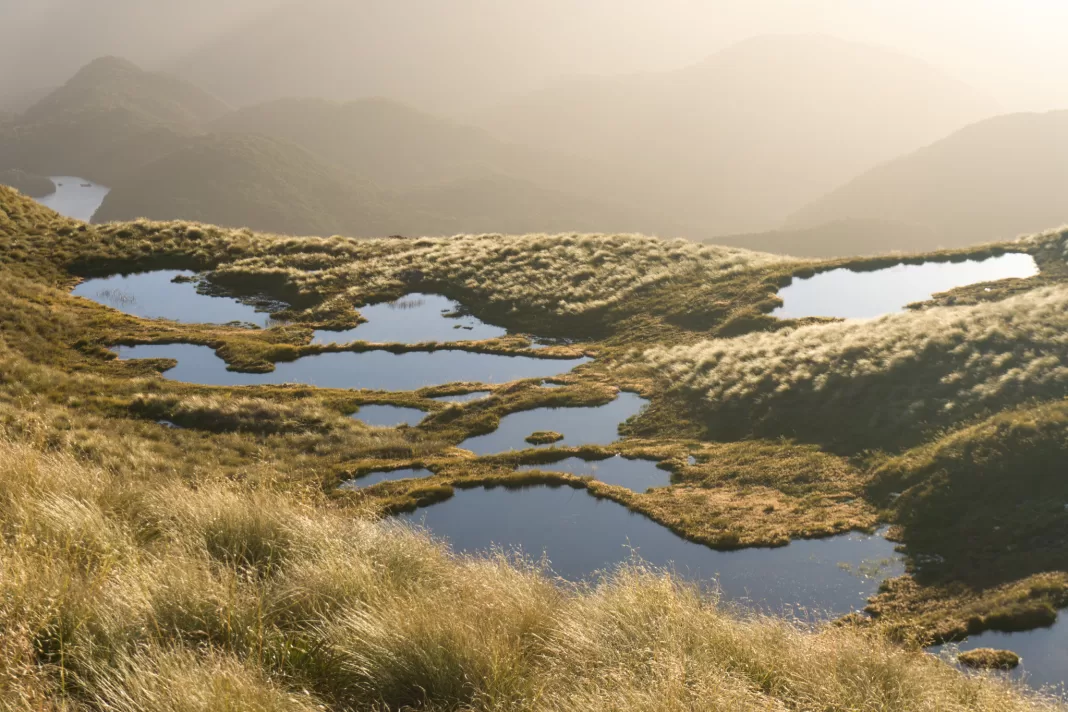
(131, 589)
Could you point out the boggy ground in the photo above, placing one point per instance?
(770, 465)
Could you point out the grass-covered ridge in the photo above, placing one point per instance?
(907, 372)
(133, 590)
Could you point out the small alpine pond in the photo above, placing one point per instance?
(637, 475)
(1043, 653)
(849, 294)
(581, 535)
(388, 416)
(374, 370)
(167, 294)
(597, 425)
(414, 319)
(374, 478)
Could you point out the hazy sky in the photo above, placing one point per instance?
(1015, 51)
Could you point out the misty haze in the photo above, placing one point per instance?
(563, 355)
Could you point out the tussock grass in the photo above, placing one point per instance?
(128, 590)
(880, 381)
(257, 415)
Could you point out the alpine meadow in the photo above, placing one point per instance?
(489, 358)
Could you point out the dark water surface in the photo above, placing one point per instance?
(1043, 653)
(581, 535)
(374, 478)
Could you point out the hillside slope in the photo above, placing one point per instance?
(253, 181)
(992, 180)
(741, 140)
(107, 119)
(385, 141)
(841, 238)
(272, 185)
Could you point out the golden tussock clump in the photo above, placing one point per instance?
(934, 366)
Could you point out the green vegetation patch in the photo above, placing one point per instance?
(989, 659)
(544, 437)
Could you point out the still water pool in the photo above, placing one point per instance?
(859, 295)
(374, 478)
(75, 198)
(414, 319)
(376, 370)
(1043, 653)
(636, 475)
(581, 535)
(155, 295)
(388, 416)
(580, 426)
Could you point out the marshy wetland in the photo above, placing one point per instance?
(700, 432)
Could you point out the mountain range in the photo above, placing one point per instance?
(707, 152)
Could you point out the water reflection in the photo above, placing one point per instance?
(463, 398)
(636, 475)
(388, 416)
(414, 319)
(156, 295)
(580, 426)
(375, 478)
(581, 535)
(1043, 653)
(377, 370)
(75, 197)
(858, 295)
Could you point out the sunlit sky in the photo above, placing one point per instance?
(1013, 50)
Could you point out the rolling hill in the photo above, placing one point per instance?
(992, 180)
(109, 118)
(840, 238)
(753, 133)
(276, 186)
(386, 141)
(244, 180)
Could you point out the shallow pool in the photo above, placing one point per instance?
(581, 535)
(388, 416)
(414, 319)
(376, 370)
(858, 295)
(463, 398)
(1043, 652)
(580, 426)
(75, 198)
(637, 475)
(374, 478)
(155, 295)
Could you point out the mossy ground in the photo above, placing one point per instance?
(62, 388)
